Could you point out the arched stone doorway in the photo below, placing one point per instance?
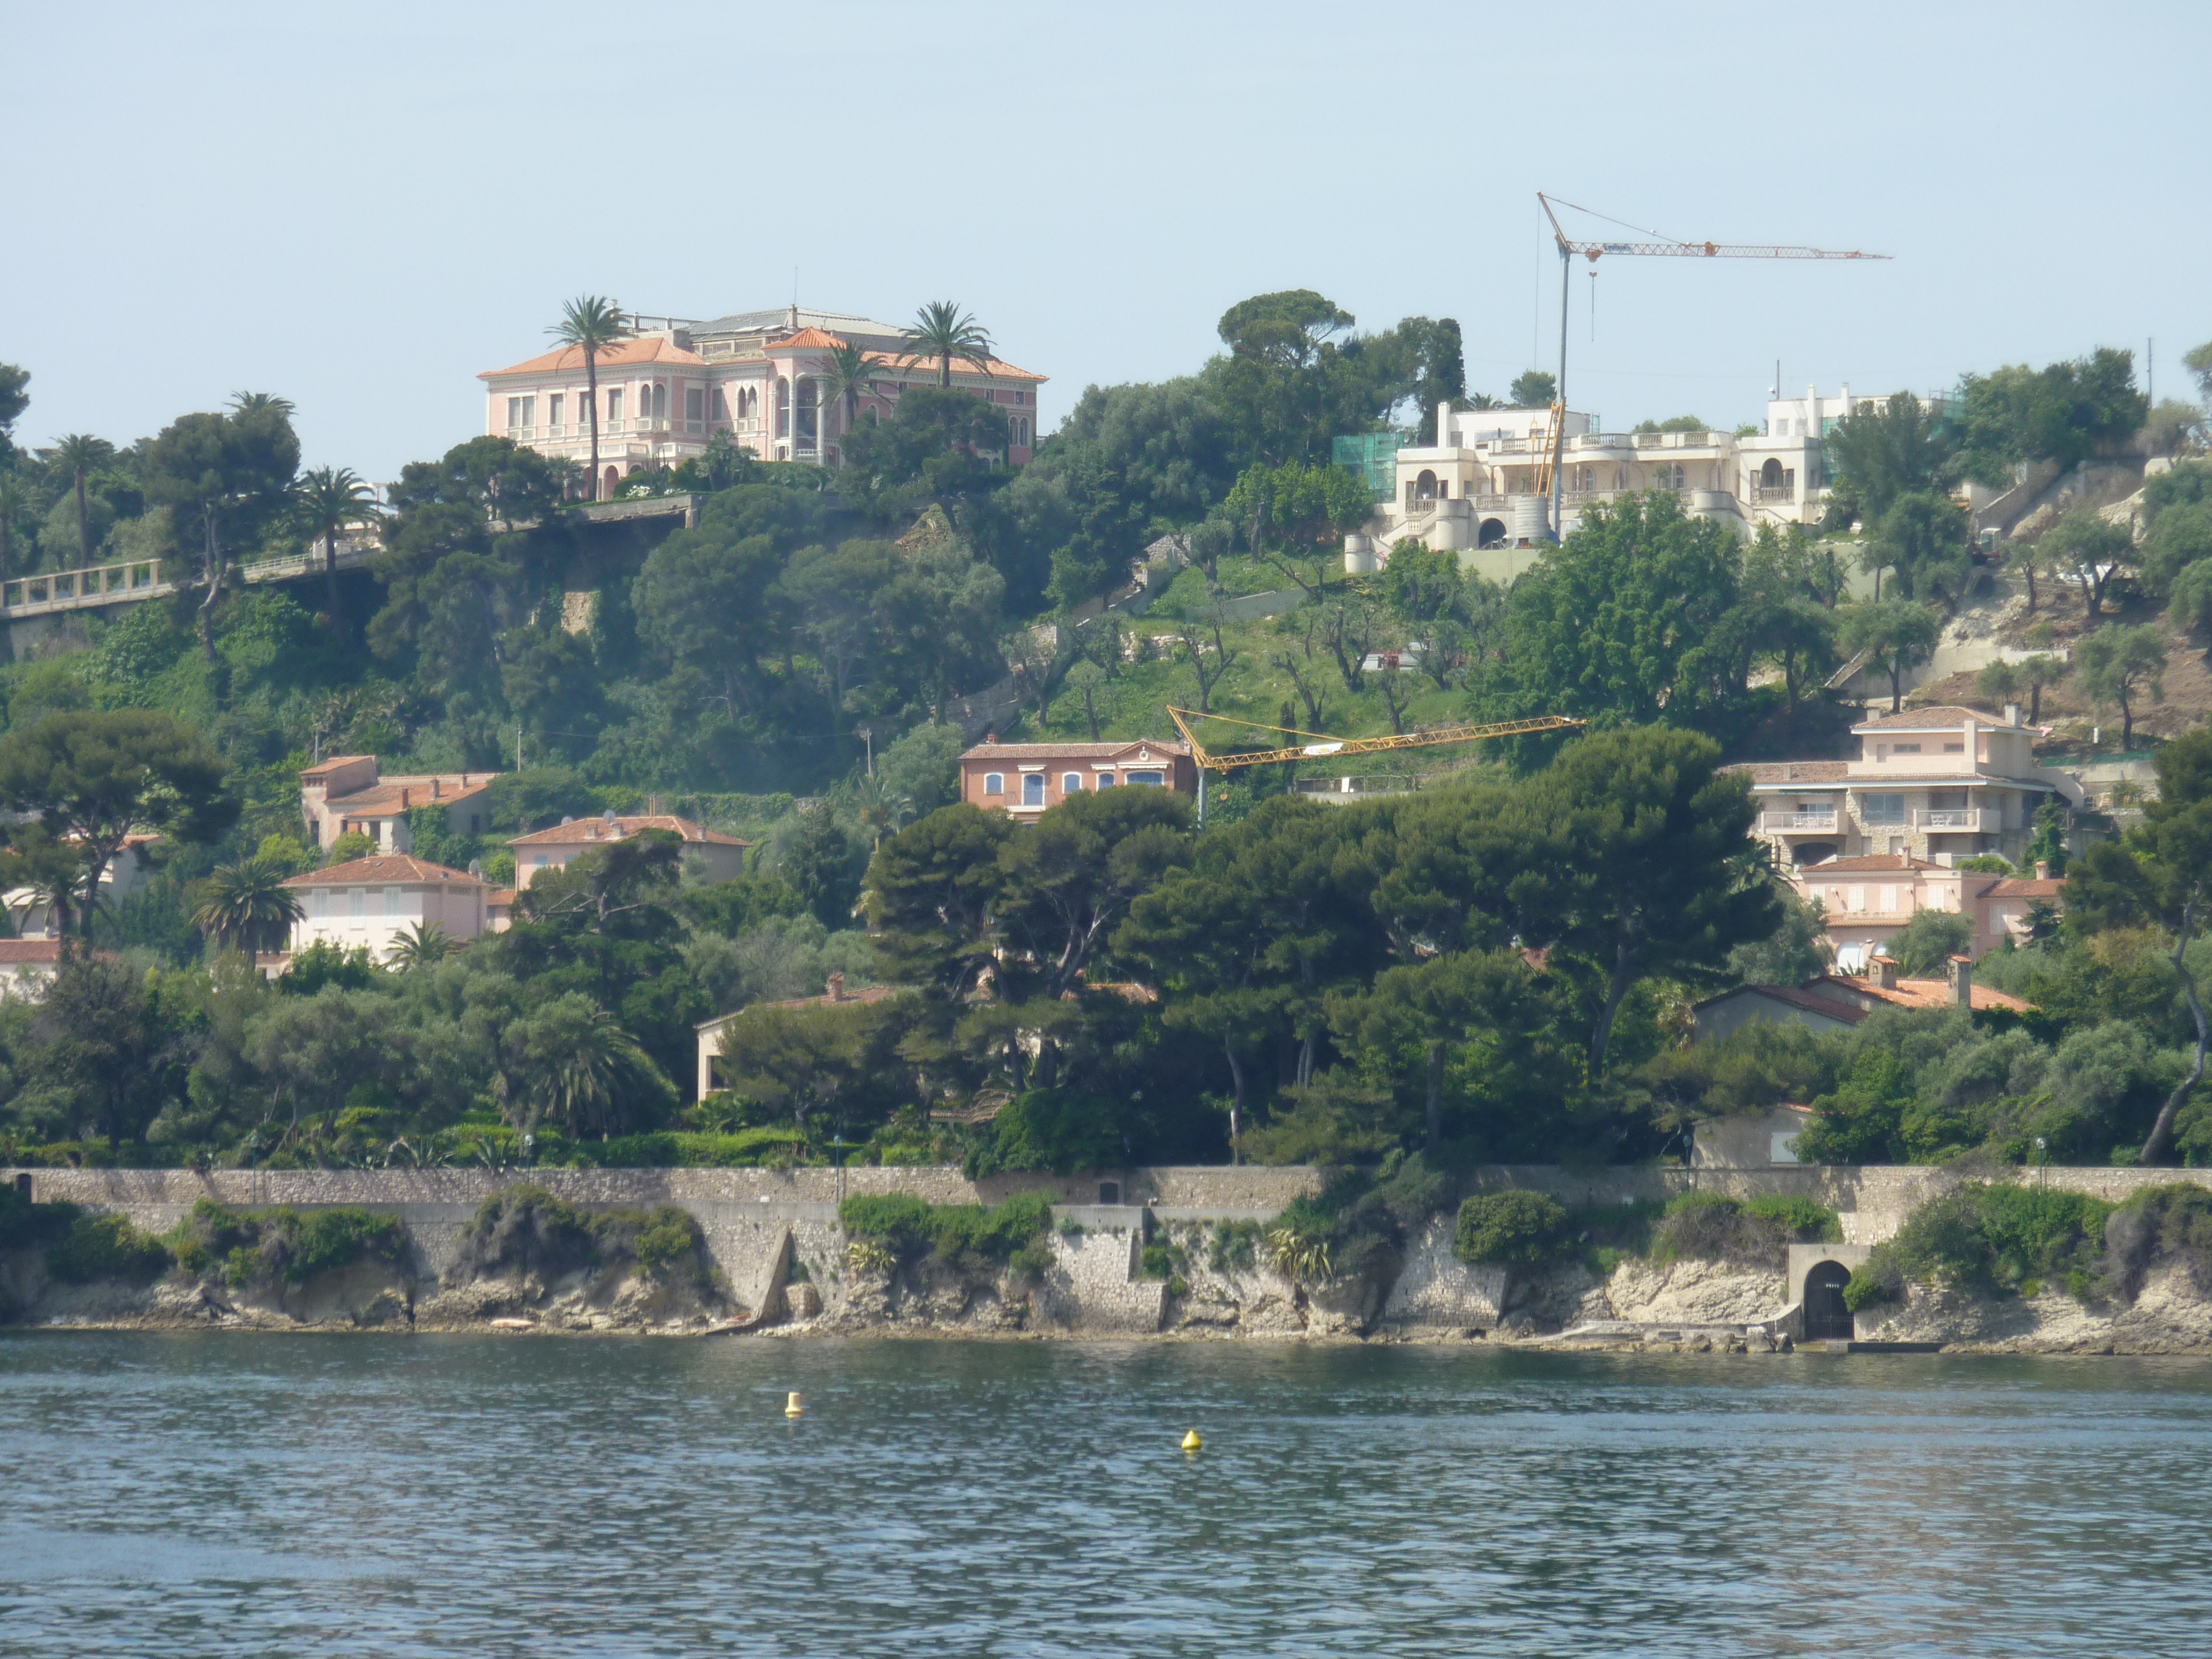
(1827, 1318)
(610, 484)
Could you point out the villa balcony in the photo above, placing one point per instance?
(1774, 495)
(1968, 820)
(1798, 824)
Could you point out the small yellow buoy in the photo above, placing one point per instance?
(1191, 1443)
(793, 1406)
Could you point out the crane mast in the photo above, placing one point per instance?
(1550, 477)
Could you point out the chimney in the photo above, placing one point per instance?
(435, 784)
(406, 797)
(1961, 976)
(2012, 714)
(1884, 968)
(2043, 869)
(990, 736)
(837, 988)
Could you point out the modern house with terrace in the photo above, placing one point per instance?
(1935, 784)
(347, 793)
(759, 376)
(1480, 490)
(1026, 778)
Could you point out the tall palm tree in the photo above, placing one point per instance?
(253, 402)
(80, 455)
(849, 375)
(423, 945)
(941, 330)
(327, 500)
(591, 322)
(13, 500)
(246, 906)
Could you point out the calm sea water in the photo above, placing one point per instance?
(232, 1494)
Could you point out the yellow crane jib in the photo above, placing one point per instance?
(1321, 745)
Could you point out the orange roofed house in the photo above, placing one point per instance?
(759, 376)
(1025, 778)
(347, 793)
(722, 856)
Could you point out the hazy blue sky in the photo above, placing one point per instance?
(362, 206)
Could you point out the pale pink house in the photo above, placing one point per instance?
(1024, 779)
(1870, 899)
(722, 857)
(349, 792)
(757, 375)
(369, 902)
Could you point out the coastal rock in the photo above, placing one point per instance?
(1691, 1293)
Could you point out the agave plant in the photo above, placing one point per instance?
(865, 1255)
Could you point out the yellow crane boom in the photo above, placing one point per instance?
(1325, 747)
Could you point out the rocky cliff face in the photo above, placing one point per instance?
(2169, 1315)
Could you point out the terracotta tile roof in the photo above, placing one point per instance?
(499, 898)
(1782, 772)
(1943, 717)
(385, 869)
(19, 952)
(996, 368)
(1052, 752)
(2031, 887)
(809, 338)
(393, 797)
(1870, 864)
(623, 354)
(333, 763)
(1919, 993)
(591, 831)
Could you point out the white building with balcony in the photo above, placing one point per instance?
(1477, 489)
(758, 375)
(1932, 786)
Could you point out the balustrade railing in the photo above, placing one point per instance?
(89, 585)
(1789, 823)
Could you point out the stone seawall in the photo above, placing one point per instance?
(775, 1237)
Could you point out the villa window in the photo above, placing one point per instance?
(782, 409)
(1072, 784)
(356, 904)
(694, 403)
(720, 407)
(1882, 809)
(1905, 749)
(1954, 748)
(614, 403)
(994, 783)
(1033, 789)
(1106, 780)
(555, 407)
(660, 401)
(1150, 779)
(392, 906)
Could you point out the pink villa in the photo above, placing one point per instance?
(721, 858)
(349, 792)
(758, 375)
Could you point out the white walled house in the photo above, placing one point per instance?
(370, 901)
(723, 857)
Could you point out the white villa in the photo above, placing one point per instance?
(757, 375)
(371, 902)
(1475, 490)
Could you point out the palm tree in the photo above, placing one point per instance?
(850, 374)
(591, 322)
(583, 1064)
(327, 500)
(423, 945)
(81, 455)
(941, 330)
(12, 501)
(246, 906)
(253, 403)
(882, 810)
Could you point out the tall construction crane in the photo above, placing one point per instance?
(1323, 745)
(1550, 475)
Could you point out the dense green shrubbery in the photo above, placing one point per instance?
(2160, 1223)
(106, 1247)
(26, 1226)
(1994, 1240)
(288, 1246)
(906, 1227)
(1054, 1131)
(1515, 1228)
(1753, 1232)
(525, 1232)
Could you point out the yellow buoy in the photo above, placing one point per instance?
(1191, 1442)
(794, 1406)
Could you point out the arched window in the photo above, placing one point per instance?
(1769, 475)
(782, 408)
(1033, 789)
(660, 402)
(1424, 487)
(1071, 783)
(611, 482)
(994, 783)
